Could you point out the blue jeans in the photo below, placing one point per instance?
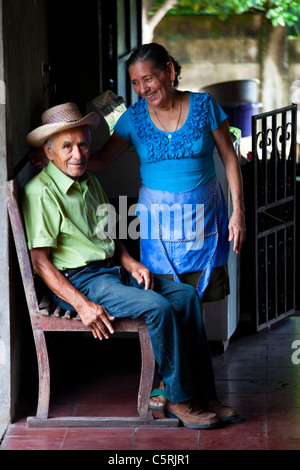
(173, 315)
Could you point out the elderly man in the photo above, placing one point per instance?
(96, 277)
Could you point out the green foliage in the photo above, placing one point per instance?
(280, 12)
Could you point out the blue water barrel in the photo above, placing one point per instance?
(239, 99)
(240, 116)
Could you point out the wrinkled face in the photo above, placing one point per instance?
(69, 151)
(153, 84)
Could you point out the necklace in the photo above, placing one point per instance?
(168, 132)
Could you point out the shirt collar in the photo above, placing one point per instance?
(63, 181)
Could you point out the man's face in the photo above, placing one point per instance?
(69, 151)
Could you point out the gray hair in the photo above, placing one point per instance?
(50, 141)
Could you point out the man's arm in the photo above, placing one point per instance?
(96, 317)
(137, 270)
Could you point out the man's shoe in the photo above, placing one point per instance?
(224, 413)
(191, 416)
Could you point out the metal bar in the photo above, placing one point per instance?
(275, 204)
(254, 160)
(274, 126)
(294, 154)
(265, 157)
(283, 152)
(274, 159)
(276, 273)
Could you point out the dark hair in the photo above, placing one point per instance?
(157, 55)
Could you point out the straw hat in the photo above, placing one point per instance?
(60, 118)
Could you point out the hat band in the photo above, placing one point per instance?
(63, 122)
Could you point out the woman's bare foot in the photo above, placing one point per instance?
(158, 401)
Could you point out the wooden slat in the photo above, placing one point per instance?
(106, 422)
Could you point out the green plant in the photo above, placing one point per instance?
(280, 12)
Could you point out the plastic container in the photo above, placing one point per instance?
(240, 115)
(235, 91)
(239, 99)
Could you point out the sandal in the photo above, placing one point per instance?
(158, 392)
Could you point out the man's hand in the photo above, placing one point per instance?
(97, 318)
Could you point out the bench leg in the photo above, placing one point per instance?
(44, 374)
(147, 373)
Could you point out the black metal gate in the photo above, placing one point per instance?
(274, 198)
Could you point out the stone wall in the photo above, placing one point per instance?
(242, 47)
(23, 48)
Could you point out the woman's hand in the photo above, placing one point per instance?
(134, 267)
(38, 158)
(237, 230)
(143, 275)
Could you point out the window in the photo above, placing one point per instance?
(120, 34)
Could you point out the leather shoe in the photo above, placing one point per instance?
(191, 415)
(224, 413)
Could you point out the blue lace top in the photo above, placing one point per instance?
(180, 163)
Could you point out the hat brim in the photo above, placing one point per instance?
(38, 137)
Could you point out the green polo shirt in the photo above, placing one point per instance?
(62, 214)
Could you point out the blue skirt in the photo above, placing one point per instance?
(184, 232)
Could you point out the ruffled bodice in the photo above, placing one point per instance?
(159, 145)
(185, 160)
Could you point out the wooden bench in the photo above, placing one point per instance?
(47, 319)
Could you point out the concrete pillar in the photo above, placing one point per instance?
(5, 350)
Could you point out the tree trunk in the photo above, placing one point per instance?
(150, 22)
(274, 68)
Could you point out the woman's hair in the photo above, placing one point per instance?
(157, 55)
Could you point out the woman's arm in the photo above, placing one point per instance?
(110, 152)
(137, 269)
(237, 228)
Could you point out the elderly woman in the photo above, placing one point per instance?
(174, 133)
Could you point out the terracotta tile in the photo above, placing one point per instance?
(283, 443)
(242, 427)
(20, 429)
(283, 397)
(236, 443)
(38, 442)
(245, 400)
(165, 439)
(280, 429)
(98, 439)
(239, 435)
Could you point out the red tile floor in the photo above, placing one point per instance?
(256, 375)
